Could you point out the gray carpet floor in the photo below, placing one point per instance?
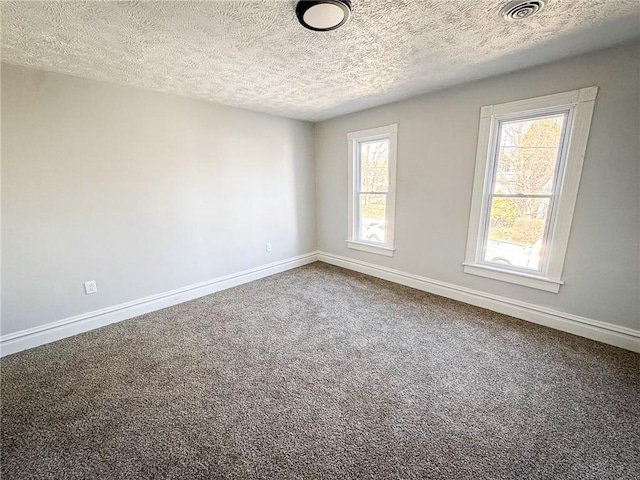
(322, 373)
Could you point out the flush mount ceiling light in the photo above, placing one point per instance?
(323, 15)
(519, 9)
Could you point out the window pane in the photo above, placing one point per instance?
(516, 232)
(527, 155)
(374, 166)
(372, 217)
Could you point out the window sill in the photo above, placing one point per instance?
(371, 248)
(517, 278)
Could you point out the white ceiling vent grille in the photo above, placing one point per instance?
(519, 9)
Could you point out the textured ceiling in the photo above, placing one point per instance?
(255, 55)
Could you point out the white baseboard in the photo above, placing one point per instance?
(618, 336)
(33, 337)
(596, 330)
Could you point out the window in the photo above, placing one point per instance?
(528, 167)
(372, 170)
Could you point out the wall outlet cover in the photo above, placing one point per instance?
(90, 287)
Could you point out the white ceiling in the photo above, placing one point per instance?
(255, 55)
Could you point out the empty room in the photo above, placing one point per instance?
(320, 239)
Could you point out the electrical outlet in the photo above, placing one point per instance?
(268, 247)
(90, 287)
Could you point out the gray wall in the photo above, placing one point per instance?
(146, 192)
(437, 138)
(142, 192)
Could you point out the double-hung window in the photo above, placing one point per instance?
(528, 167)
(372, 170)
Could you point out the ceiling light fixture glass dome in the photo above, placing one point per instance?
(323, 15)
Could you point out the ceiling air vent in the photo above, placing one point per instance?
(519, 9)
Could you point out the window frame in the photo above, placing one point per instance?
(354, 139)
(578, 105)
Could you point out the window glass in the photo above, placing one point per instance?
(374, 166)
(527, 155)
(374, 184)
(516, 232)
(372, 217)
(523, 187)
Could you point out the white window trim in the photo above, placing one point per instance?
(580, 104)
(386, 132)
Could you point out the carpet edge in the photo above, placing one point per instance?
(597, 330)
(57, 330)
